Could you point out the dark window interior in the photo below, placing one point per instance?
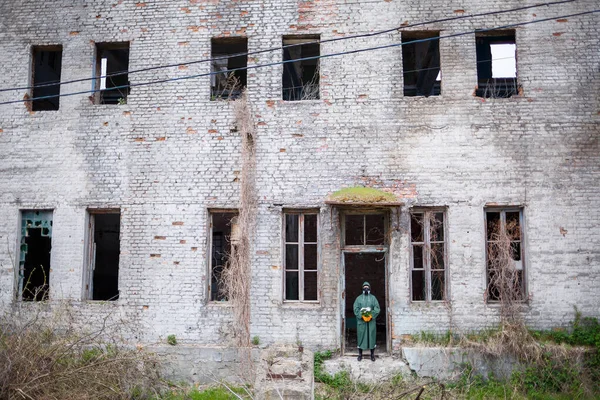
(37, 266)
(112, 61)
(107, 249)
(222, 224)
(301, 78)
(34, 259)
(228, 85)
(364, 229)
(487, 85)
(421, 64)
(46, 77)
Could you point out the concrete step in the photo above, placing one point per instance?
(384, 367)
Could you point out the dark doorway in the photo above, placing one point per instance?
(361, 267)
(37, 265)
(105, 285)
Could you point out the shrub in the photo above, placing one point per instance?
(41, 358)
(172, 340)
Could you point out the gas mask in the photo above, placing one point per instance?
(366, 290)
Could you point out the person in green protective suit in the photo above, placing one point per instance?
(366, 310)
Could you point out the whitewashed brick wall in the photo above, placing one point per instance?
(170, 154)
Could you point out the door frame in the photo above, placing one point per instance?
(383, 249)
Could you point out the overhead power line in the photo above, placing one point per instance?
(362, 35)
(392, 45)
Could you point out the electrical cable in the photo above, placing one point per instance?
(363, 35)
(308, 58)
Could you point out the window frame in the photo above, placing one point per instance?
(407, 37)
(55, 48)
(300, 243)
(209, 251)
(300, 41)
(20, 261)
(234, 41)
(90, 253)
(503, 210)
(426, 243)
(367, 247)
(98, 95)
(483, 84)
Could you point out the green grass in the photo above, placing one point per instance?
(213, 393)
(359, 194)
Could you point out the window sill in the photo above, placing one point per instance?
(496, 304)
(301, 305)
(222, 304)
(309, 101)
(436, 303)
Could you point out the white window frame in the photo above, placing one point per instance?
(426, 243)
(503, 210)
(300, 243)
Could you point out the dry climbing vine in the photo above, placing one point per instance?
(236, 274)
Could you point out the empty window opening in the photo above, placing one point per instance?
(364, 229)
(112, 65)
(104, 250)
(496, 65)
(223, 236)
(421, 64)
(428, 255)
(504, 254)
(47, 63)
(229, 73)
(301, 256)
(301, 78)
(34, 261)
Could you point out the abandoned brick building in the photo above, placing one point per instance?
(120, 182)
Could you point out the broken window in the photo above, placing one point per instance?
(504, 254)
(102, 280)
(34, 260)
(428, 255)
(47, 62)
(223, 235)
(496, 64)
(301, 256)
(226, 80)
(301, 78)
(421, 64)
(112, 65)
(364, 229)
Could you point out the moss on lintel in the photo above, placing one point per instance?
(362, 195)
